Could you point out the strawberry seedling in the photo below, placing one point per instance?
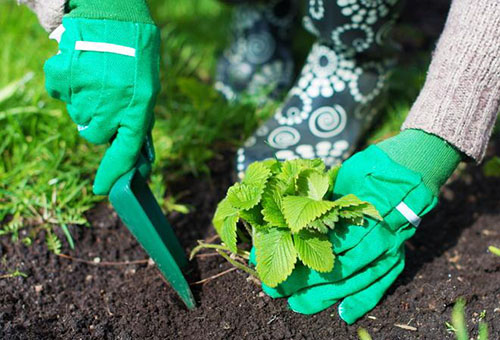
(288, 209)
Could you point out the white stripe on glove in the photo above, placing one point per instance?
(104, 47)
(409, 214)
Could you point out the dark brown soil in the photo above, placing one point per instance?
(65, 299)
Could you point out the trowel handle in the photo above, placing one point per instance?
(146, 157)
(143, 166)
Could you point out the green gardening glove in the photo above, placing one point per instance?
(370, 258)
(107, 72)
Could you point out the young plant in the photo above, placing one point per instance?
(288, 209)
(458, 324)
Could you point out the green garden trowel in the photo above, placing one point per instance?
(138, 209)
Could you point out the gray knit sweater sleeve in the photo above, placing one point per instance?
(461, 96)
(49, 12)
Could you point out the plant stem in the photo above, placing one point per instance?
(238, 265)
(247, 227)
(15, 273)
(214, 276)
(201, 245)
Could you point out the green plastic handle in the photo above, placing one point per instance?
(138, 209)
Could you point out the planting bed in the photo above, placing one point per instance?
(63, 298)
(105, 298)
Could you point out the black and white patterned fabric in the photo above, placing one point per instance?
(340, 89)
(362, 26)
(259, 57)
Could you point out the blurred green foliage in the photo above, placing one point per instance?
(46, 170)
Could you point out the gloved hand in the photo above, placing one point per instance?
(107, 71)
(401, 177)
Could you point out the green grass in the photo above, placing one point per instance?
(46, 170)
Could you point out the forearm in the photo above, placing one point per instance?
(461, 97)
(49, 12)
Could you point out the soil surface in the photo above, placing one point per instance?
(65, 298)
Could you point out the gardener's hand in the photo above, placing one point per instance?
(107, 71)
(401, 177)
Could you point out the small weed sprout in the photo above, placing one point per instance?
(287, 208)
(15, 273)
(494, 250)
(458, 324)
(363, 334)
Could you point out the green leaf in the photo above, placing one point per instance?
(248, 193)
(243, 196)
(319, 226)
(332, 175)
(350, 213)
(353, 216)
(227, 232)
(276, 255)
(312, 183)
(348, 201)
(224, 209)
(358, 220)
(300, 211)
(331, 218)
(257, 175)
(53, 243)
(317, 185)
(253, 216)
(69, 238)
(302, 182)
(356, 214)
(225, 220)
(314, 250)
(290, 171)
(271, 208)
(314, 164)
(369, 210)
(274, 184)
(273, 165)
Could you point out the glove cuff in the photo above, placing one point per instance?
(119, 10)
(430, 156)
